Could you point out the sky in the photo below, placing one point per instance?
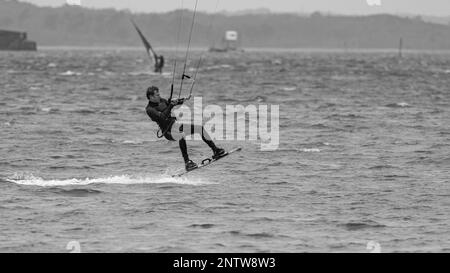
(419, 7)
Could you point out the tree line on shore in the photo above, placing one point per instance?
(77, 26)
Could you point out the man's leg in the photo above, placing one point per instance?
(198, 129)
(190, 165)
(183, 148)
(176, 133)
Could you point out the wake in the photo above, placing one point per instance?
(31, 180)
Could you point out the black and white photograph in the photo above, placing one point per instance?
(224, 126)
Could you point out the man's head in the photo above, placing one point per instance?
(153, 94)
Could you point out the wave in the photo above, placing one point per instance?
(147, 73)
(345, 116)
(319, 126)
(398, 105)
(31, 180)
(258, 99)
(49, 110)
(352, 226)
(218, 67)
(69, 73)
(379, 167)
(260, 235)
(133, 142)
(84, 111)
(289, 88)
(76, 192)
(106, 112)
(311, 150)
(300, 150)
(203, 226)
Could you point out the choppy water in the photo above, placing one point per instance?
(364, 155)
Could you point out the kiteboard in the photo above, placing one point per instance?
(205, 162)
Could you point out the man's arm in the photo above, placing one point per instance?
(170, 105)
(154, 114)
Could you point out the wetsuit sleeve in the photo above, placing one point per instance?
(157, 115)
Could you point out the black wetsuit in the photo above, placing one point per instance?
(161, 114)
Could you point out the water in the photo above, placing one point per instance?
(363, 155)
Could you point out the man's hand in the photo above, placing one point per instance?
(181, 101)
(177, 102)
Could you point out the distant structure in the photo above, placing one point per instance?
(12, 40)
(400, 48)
(229, 42)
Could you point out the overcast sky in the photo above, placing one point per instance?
(423, 7)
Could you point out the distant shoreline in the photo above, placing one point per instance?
(264, 32)
(251, 49)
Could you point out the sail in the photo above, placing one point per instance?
(147, 45)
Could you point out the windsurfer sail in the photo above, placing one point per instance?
(157, 59)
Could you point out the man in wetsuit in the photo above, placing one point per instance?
(159, 110)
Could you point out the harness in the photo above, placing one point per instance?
(167, 129)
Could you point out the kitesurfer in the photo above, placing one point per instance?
(159, 110)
